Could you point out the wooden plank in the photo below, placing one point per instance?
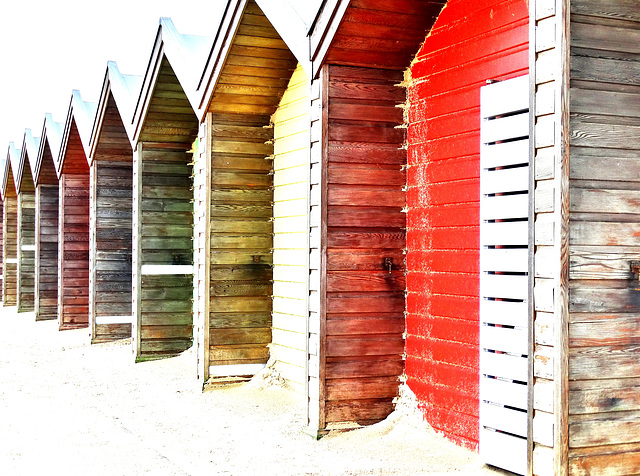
(506, 451)
(602, 429)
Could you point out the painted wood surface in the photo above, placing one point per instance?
(201, 247)
(26, 249)
(550, 392)
(604, 424)
(504, 284)
(290, 227)
(73, 250)
(371, 33)
(10, 250)
(470, 43)
(357, 277)
(110, 249)
(46, 288)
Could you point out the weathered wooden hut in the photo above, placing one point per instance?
(111, 208)
(165, 129)
(26, 223)
(72, 169)
(586, 143)
(251, 197)
(359, 52)
(46, 214)
(10, 228)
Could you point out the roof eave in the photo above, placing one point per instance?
(323, 30)
(98, 120)
(218, 53)
(146, 90)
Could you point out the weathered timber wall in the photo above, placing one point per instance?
(290, 268)
(550, 389)
(1, 244)
(73, 251)
(241, 239)
(10, 251)
(249, 88)
(470, 43)
(163, 229)
(110, 250)
(26, 251)
(357, 222)
(604, 231)
(46, 289)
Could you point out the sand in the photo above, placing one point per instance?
(70, 408)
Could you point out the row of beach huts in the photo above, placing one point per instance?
(442, 193)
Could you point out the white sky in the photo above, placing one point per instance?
(49, 47)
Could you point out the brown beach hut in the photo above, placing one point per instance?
(251, 198)
(10, 228)
(26, 223)
(110, 213)
(72, 169)
(165, 129)
(46, 215)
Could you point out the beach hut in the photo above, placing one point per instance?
(251, 197)
(10, 229)
(376, 165)
(45, 180)
(26, 223)
(110, 212)
(521, 230)
(359, 52)
(165, 129)
(10, 224)
(72, 169)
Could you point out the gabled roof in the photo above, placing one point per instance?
(185, 53)
(370, 33)
(7, 187)
(125, 89)
(283, 18)
(30, 147)
(51, 136)
(80, 115)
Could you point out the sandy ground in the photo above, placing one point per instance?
(74, 409)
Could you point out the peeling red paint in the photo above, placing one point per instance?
(472, 41)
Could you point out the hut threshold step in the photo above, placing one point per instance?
(236, 370)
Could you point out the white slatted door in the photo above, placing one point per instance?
(504, 240)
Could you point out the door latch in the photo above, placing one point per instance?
(388, 263)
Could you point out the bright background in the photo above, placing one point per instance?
(48, 48)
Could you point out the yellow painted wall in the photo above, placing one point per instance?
(290, 272)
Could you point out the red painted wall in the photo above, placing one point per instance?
(472, 41)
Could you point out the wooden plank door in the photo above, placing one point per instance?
(46, 288)
(10, 251)
(26, 251)
(504, 262)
